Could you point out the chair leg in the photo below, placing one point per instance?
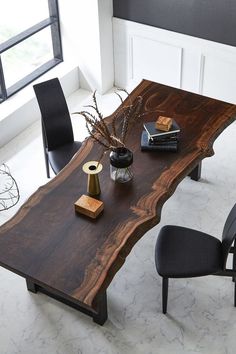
(234, 262)
(165, 282)
(47, 164)
(45, 150)
(234, 269)
(235, 294)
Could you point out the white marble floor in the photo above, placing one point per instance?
(201, 317)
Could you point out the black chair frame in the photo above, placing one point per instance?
(228, 246)
(57, 132)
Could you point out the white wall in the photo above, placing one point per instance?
(86, 30)
(178, 60)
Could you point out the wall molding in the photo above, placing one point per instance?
(201, 74)
(193, 64)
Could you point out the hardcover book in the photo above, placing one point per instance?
(153, 132)
(168, 141)
(162, 143)
(164, 140)
(146, 146)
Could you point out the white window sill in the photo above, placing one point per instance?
(24, 96)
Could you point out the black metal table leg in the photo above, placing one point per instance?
(31, 286)
(195, 174)
(101, 317)
(99, 313)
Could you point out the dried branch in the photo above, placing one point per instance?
(100, 116)
(96, 138)
(108, 135)
(120, 97)
(97, 126)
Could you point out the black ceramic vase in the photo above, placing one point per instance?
(121, 160)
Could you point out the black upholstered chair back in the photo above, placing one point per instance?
(182, 252)
(56, 121)
(229, 234)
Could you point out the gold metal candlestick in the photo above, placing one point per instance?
(92, 168)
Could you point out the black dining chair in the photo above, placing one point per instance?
(58, 138)
(182, 253)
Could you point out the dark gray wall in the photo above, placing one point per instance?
(209, 19)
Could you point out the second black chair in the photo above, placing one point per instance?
(182, 253)
(58, 137)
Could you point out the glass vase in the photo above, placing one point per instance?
(121, 160)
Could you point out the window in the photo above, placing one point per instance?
(30, 42)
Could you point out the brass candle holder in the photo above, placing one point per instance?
(92, 168)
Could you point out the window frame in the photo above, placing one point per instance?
(53, 22)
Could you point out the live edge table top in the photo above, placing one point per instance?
(47, 242)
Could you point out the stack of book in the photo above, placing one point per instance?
(158, 140)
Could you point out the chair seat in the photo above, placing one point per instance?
(182, 252)
(60, 157)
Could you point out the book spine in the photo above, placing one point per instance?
(173, 136)
(160, 148)
(163, 142)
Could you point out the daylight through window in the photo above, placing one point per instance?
(30, 42)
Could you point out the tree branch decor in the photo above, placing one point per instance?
(9, 191)
(110, 135)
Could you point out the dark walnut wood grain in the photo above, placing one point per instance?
(75, 257)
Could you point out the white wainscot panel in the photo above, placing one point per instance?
(219, 78)
(156, 61)
(174, 59)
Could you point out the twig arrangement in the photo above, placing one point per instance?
(9, 191)
(114, 134)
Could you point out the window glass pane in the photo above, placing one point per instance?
(27, 56)
(18, 15)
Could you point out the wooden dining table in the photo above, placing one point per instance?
(74, 258)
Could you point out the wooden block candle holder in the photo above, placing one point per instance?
(89, 206)
(164, 123)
